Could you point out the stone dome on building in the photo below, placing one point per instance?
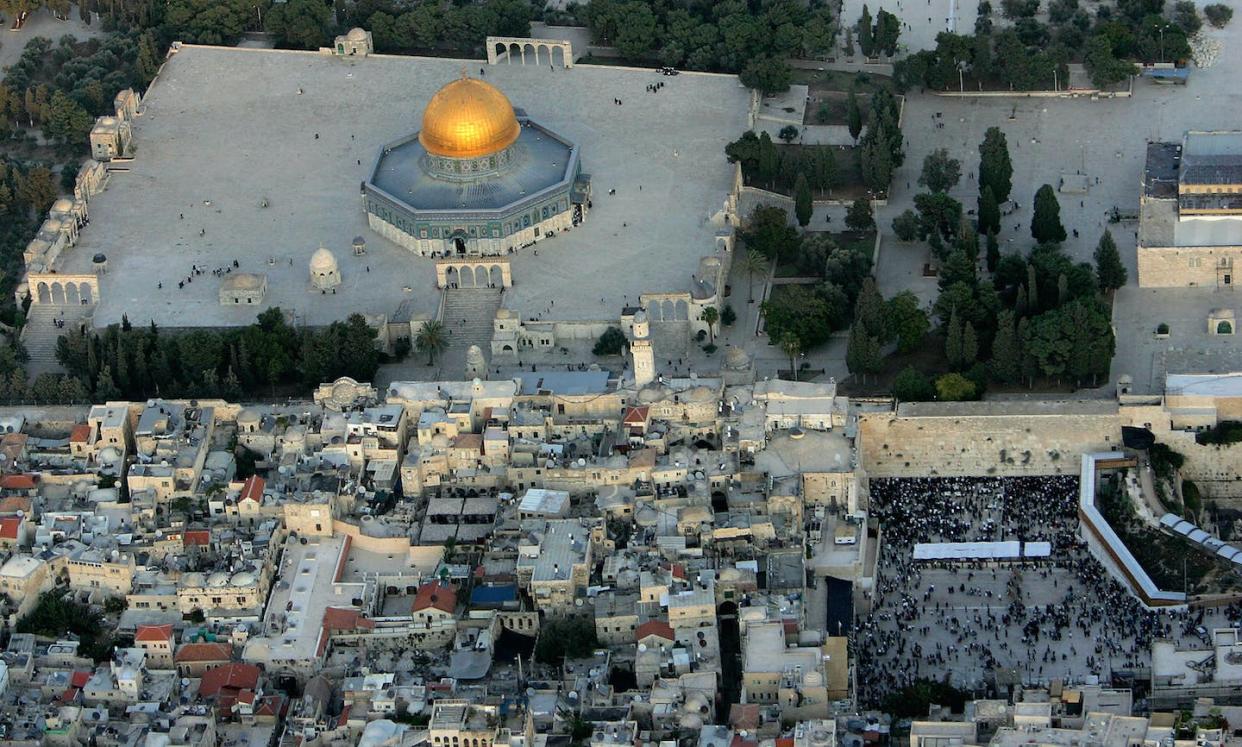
(356, 34)
(324, 273)
(467, 119)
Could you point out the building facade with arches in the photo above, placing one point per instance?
(507, 49)
(479, 179)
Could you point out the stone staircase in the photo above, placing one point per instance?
(468, 314)
(41, 333)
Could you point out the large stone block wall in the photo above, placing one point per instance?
(977, 445)
(1166, 267)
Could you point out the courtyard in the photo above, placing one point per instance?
(1106, 140)
(1057, 618)
(256, 156)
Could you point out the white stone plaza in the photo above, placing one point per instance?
(258, 156)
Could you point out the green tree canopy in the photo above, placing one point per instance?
(995, 168)
(1046, 220)
(940, 172)
(1108, 267)
(301, 24)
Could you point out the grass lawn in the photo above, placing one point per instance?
(849, 182)
(859, 241)
(832, 108)
(839, 80)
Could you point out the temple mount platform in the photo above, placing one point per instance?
(261, 157)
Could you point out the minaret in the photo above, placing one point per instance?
(642, 352)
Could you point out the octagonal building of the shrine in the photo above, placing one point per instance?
(479, 178)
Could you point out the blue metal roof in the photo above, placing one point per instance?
(493, 594)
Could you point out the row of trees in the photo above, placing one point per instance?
(1031, 55)
(880, 37)
(136, 363)
(754, 39)
(778, 167)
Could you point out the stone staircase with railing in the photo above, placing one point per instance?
(468, 315)
(40, 334)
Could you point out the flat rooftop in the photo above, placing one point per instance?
(224, 131)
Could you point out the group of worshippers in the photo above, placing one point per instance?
(1060, 616)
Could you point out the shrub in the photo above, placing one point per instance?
(912, 386)
(954, 387)
(710, 348)
(1190, 496)
(1218, 14)
(1162, 329)
(728, 316)
(612, 342)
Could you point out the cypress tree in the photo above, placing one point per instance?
(1046, 221)
(853, 115)
(1006, 354)
(995, 168)
(953, 341)
(1108, 268)
(802, 201)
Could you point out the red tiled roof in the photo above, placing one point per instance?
(10, 527)
(656, 628)
(344, 717)
(678, 571)
(636, 415)
(784, 742)
(435, 594)
(17, 482)
(14, 503)
(229, 679)
(81, 433)
(343, 618)
(247, 696)
(198, 652)
(197, 537)
(252, 489)
(153, 633)
(79, 679)
(272, 705)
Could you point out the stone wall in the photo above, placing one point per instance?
(985, 438)
(1168, 267)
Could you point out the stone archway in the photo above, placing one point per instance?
(58, 294)
(682, 311)
(667, 311)
(43, 294)
(495, 277)
(71, 294)
(507, 47)
(467, 277)
(452, 277)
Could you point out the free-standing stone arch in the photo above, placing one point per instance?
(504, 47)
(464, 273)
(54, 288)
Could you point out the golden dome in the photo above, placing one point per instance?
(467, 119)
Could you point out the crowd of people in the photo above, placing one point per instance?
(1063, 616)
